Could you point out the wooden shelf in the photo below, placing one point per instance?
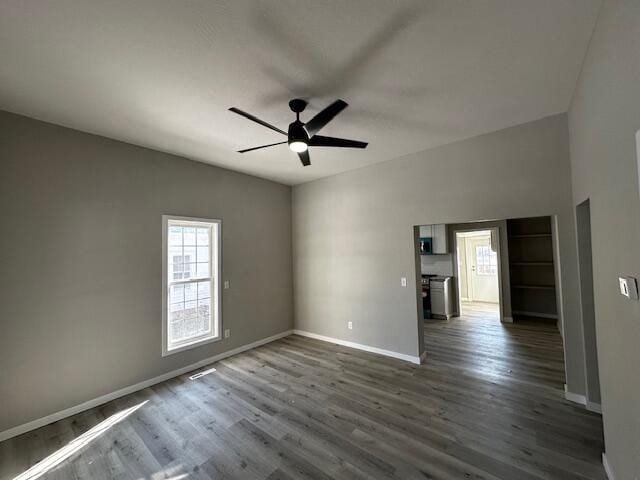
(535, 287)
(533, 264)
(531, 235)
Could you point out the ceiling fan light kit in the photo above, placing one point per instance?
(298, 146)
(302, 135)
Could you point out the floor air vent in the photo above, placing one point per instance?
(202, 374)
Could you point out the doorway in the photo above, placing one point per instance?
(478, 264)
(585, 271)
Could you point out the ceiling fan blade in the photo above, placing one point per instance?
(320, 141)
(304, 158)
(314, 125)
(256, 119)
(261, 146)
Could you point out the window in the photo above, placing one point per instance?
(486, 260)
(191, 283)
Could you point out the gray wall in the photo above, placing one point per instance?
(80, 262)
(353, 233)
(604, 117)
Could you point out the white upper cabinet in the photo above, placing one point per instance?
(426, 231)
(439, 243)
(438, 235)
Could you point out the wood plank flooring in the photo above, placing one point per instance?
(488, 404)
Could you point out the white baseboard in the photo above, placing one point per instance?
(607, 467)
(574, 397)
(54, 417)
(582, 400)
(594, 407)
(359, 346)
(507, 319)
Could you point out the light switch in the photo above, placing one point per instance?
(629, 287)
(403, 282)
(226, 285)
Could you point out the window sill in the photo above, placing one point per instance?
(189, 346)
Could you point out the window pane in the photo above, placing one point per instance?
(203, 270)
(175, 251)
(188, 270)
(176, 294)
(190, 308)
(190, 292)
(204, 289)
(176, 307)
(189, 235)
(190, 254)
(204, 307)
(183, 326)
(203, 236)
(203, 254)
(175, 236)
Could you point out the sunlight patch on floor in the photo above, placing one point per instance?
(75, 445)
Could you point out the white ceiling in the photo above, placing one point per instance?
(162, 73)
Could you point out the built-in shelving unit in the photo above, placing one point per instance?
(532, 264)
(532, 270)
(532, 235)
(535, 287)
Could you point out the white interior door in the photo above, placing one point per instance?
(483, 270)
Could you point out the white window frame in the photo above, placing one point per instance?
(215, 272)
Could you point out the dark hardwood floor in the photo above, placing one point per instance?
(488, 404)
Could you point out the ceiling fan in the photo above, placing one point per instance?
(302, 135)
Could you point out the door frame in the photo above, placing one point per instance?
(495, 233)
(584, 252)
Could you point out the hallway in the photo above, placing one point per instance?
(481, 311)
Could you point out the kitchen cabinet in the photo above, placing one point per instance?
(439, 238)
(440, 243)
(440, 293)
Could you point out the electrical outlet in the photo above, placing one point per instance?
(350, 325)
(403, 282)
(629, 287)
(226, 284)
(227, 333)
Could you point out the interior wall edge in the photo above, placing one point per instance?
(607, 467)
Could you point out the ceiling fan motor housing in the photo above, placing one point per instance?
(297, 132)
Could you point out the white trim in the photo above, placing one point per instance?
(507, 320)
(574, 397)
(54, 417)
(607, 468)
(594, 407)
(215, 274)
(423, 358)
(388, 353)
